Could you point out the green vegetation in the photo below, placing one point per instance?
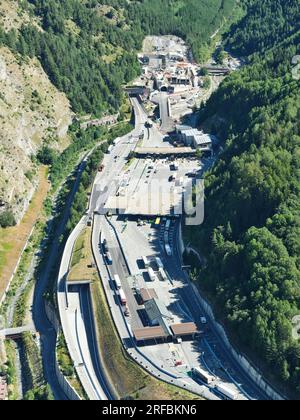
(81, 199)
(21, 275)
(193, 20)
(63, 357)
(265, 24)
(82, 267)
(67, 367)
(42, 393)
(10, 370)
(32, 363)
(89, 55)
(7, 219)
(251, 236)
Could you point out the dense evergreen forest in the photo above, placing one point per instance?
(251, 236)
(88, 48)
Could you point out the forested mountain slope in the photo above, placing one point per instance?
(251, 236)
(88, 50)
(32, 111)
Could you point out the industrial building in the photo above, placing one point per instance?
(182, 74)
(192, 137)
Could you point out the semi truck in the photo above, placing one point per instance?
(163, 274)
(110, 149)
(117, 282)
(202, 375)
(226, 392)
(122, 297)
(104, 245)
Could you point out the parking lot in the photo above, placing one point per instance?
(153, 187)
(144, 238)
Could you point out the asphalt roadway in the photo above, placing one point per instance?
(42, 325)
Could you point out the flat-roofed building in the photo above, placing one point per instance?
(149, 334)
(192, 137)
(202, 142)
(184, 330)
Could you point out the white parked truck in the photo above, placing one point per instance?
(168, 224)
(151, 274)
(118, 282)
(227, 392)
(204, 376)
(123, 298)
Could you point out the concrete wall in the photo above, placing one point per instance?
(62, 380)
(252, 371)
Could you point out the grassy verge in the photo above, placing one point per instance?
(127, 378)
(13, 240)
(23, 270)
(35, 385)
(67, 367)
(82, 264)
(10, 370)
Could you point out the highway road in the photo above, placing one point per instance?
(76, 322)
(106, 182)
(40, 319)
(75, 307)
(102, 227)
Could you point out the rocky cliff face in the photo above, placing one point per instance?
(32, 112)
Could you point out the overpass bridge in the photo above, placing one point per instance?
(15, 333)
(217, 71)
